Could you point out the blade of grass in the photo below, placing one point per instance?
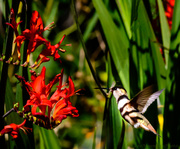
(175, 34)
(159, 66)
(170, 131)
(123, 6)
(165, 31)
(117, 41)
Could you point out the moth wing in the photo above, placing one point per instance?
(144, 99)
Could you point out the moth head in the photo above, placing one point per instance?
(118, 91)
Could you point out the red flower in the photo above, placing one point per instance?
(35, 37)
(169, 11)
(63, 108)
(49, 51)
(59, 105)
(38, 92)
(13, 129)
(63, 93)
(13, 23)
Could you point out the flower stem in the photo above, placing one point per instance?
(7, 113)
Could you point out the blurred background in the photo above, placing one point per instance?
(134, 43)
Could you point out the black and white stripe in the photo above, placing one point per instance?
(125, 109)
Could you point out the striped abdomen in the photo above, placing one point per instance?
(132, 116)
(125, 109)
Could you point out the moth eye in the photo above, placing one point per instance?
(114, 88)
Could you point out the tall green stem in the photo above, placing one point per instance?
(85, 50)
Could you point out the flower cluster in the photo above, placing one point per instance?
(51, 111)
(40, 108)
(35, 37)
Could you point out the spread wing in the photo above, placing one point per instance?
(144, 99)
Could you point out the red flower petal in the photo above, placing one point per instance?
(63, 109)
(71, 88)
(38, 84)
(36, 23)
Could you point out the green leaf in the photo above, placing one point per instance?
(165, 31)
(42, 144)
(117, 41)
(10, 100)
(175, 33)
(149, 37)
(171, 123)
(49, 138)
(123, 6)
(147, 42)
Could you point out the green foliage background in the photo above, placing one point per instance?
(112, 41)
